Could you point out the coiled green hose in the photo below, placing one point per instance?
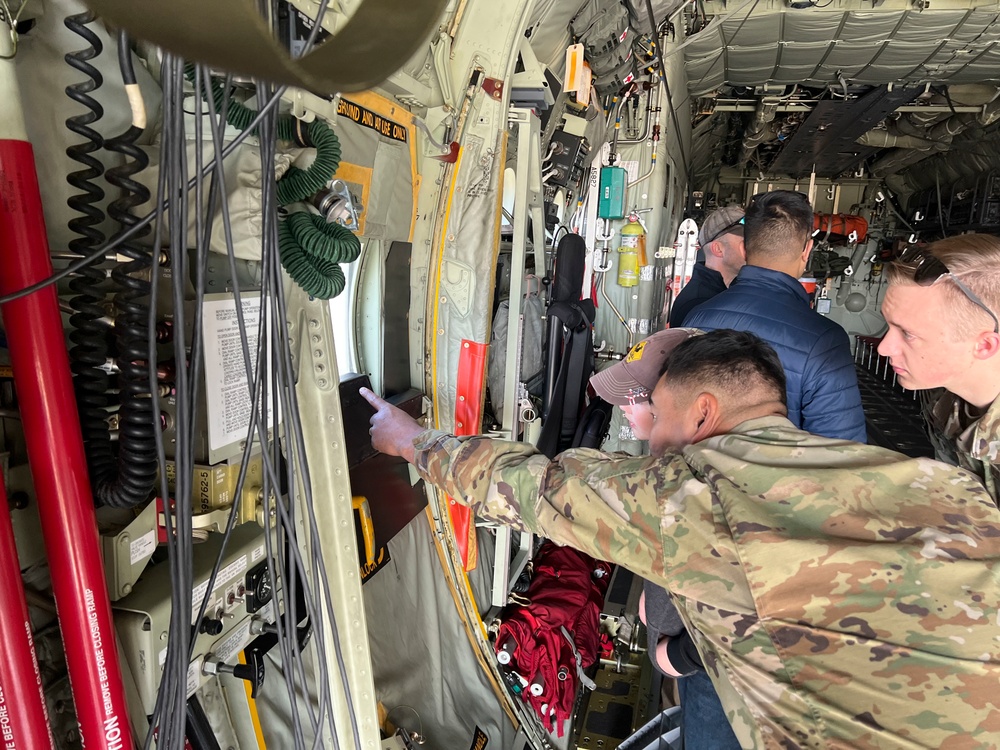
(296, 184)
(310, 247)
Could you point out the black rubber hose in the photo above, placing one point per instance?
(131, 481)
(89, 353)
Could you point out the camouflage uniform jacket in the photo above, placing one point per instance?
(966, 441)
(841, 595)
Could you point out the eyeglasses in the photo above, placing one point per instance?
(929, 270)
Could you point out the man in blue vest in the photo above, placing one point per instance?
(767, 299)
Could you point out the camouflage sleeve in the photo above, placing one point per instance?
(620, 509)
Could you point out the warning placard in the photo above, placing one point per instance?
(368, 119)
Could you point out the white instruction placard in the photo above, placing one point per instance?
(233, 644)
(227, 388)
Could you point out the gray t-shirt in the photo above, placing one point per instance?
(661, 616)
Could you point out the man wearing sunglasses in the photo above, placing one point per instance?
(941, 306)
(721, 239)
(767, 299)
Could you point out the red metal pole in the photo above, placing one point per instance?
(24, 722)
(44, 386)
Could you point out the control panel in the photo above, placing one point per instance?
(240, 608)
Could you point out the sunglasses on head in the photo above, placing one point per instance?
(928, 269)
(726, 228)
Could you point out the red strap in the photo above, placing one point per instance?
(468, 417)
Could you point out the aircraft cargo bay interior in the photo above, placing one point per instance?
(508, 374)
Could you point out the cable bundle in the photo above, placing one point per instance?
(274, 387)
(272, 382)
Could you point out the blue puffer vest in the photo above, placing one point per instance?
(823, 395)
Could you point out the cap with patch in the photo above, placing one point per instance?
(718, 222)
(640, 369)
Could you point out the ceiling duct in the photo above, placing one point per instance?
(758, 129)
(826, 141)
(915, 141)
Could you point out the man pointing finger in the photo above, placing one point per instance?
(840, 595)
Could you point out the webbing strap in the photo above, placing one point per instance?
(231, 35)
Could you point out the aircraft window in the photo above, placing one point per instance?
(509, 180)
(343, 309)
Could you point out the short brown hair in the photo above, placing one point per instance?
(975, 259)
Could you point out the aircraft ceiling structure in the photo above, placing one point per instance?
(877, 46)
(779, 90)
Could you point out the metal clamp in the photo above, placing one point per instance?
(337, 205)
(602, 261)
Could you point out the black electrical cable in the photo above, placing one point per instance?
(272, 486)
(126, 482)
(174, 160)
(125, 59)
(666, 85)
(198, 727)
(151, 344)
(89, 336)
(158, 213)
(295, 573)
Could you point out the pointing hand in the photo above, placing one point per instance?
(392, 430)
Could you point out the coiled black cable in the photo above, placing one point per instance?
(125, 480)
(135, 475)
(131, 482)
(89, 353)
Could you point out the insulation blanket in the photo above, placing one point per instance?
(564, 599)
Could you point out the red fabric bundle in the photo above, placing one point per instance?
(566, 591)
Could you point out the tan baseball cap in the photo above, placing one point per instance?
(634, 378)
